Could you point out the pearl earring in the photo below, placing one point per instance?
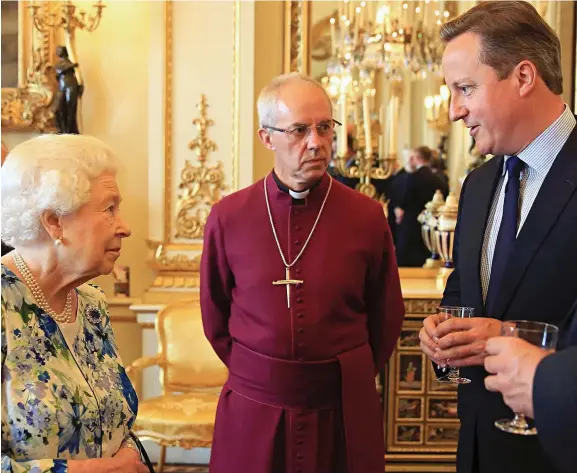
(58, 242)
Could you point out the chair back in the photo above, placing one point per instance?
(188, 362)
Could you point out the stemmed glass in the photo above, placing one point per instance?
(537, 333)
(447, 312)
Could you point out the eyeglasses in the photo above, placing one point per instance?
(299, 132)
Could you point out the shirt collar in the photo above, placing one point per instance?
(542, 151)
(294, 194)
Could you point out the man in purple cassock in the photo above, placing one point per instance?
(301, 300)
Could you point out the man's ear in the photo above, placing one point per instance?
(526, 75)
(264, 136)
(52, 223)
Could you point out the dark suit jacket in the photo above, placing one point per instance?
(419, 188)
(555, 402)
(540, 283)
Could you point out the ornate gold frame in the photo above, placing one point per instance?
(296, 36)
(28, 107)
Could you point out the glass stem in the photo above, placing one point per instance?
(520, 422)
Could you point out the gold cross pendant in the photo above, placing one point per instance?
(287, 282)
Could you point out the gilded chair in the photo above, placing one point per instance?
(191, 376)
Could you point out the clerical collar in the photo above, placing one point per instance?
(294, 194)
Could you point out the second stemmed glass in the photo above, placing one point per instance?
(537, 333)
(446, 313)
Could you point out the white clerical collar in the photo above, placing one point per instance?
(299, 195)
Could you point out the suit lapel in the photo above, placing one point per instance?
(557, 188)
(471, 241)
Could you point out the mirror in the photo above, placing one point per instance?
(407, 106)
(27, 76)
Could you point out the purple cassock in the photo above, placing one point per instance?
(300, 397)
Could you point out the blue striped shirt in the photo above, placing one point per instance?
(538, 157)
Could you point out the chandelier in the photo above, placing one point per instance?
(396, 37)
(371, 41)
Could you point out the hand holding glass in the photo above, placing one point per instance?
(537, 333)
(445, 314)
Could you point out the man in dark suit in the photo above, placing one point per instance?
(514, 247)
(542, 386)
(419, 188)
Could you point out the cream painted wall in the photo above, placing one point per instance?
(114, 62)
(268, 63)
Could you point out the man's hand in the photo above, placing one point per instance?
(461, 341)
(399, 214)
(513, 363)
(427, 335)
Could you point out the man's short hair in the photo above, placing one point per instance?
(511, 32)
(267, 100)
(425, 153)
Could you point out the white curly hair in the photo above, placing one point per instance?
(49, 172)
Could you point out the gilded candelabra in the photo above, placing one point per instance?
(371, 161)
(437, 115)
(428, 219)
(64, 15)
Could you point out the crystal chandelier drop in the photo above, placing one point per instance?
(396, 37)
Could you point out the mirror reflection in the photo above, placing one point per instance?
(380, 62)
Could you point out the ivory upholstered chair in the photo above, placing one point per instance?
(191, 376)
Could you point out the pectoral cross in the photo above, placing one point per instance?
(287, 282)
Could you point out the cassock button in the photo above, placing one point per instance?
(300, 315)
(297, 227)
(300, 427)
(299, 300)
(301, 359)
(300, 345)
(299, 456)
(298, 270)
(300, 441)
(301, 330)
(298, 243)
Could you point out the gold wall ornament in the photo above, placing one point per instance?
(168, 54)
(203, 185)
(297, 26)
(174, 268)
(47, 17)
(27, 107)
(52, 16)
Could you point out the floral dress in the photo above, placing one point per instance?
(60, 403)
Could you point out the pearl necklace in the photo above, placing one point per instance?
(66, 315)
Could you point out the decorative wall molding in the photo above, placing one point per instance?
(203, 185)
(168, 12)
(296, 47)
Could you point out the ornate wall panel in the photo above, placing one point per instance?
(202, 132)
(27, 100)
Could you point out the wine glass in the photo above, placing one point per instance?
(540, 334)
(446, 313)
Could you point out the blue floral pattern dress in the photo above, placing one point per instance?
(60, 403)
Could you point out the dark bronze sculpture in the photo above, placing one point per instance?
(68, 94)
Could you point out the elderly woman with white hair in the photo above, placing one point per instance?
(67, 403)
